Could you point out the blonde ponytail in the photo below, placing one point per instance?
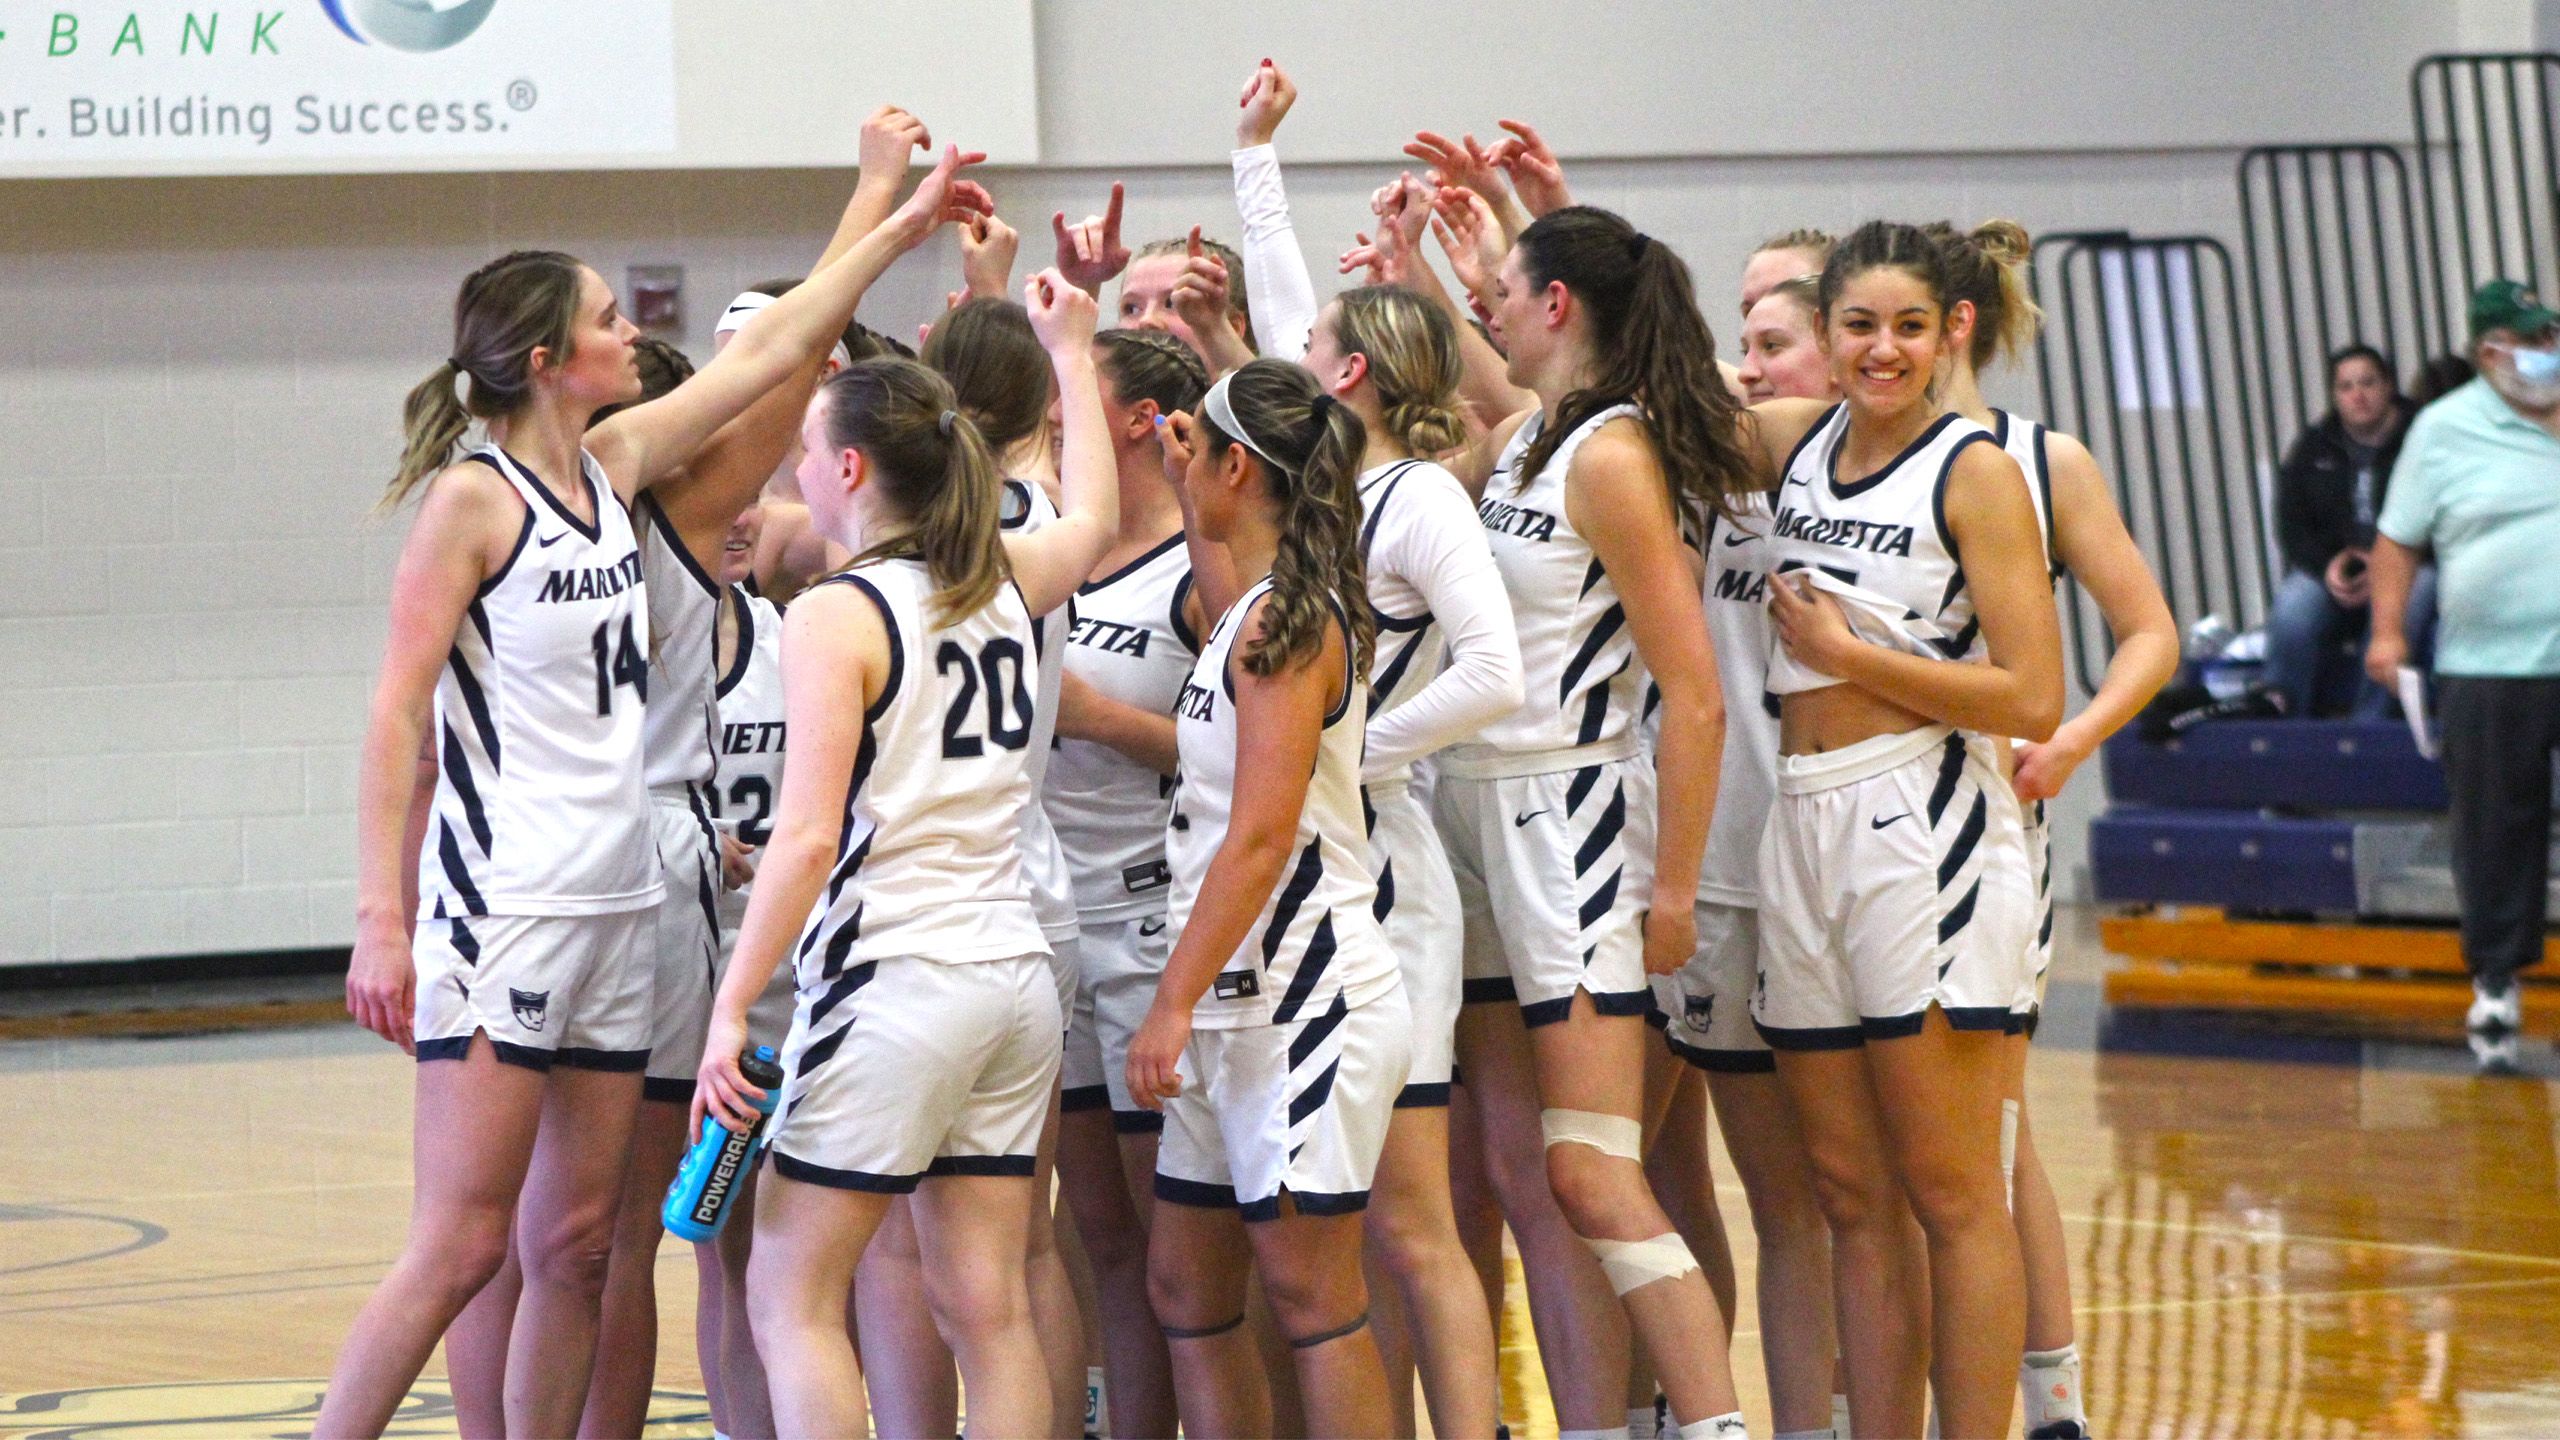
(934, 467)
(1412, 349)
(432, 422)
(508, 308)
(1988, 267)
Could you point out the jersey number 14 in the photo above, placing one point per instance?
(618, 663)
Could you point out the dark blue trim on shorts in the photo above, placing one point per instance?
(1487, 990)
(1084, 1097)
(534, 1057)
(1424, 1097)
(2024, 1022)
(1008, 1165)
(863, 1180)
(1818, 1037)
(612, 1062)
(1970, 1018)
(667, 1089)
(453, 1049)
(1198, 1194)
(1349, 1202)
(1721, 1062)
(1977, 1017)
(1137, 1122)
(1611, 1002)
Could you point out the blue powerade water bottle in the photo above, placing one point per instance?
(698, 1203)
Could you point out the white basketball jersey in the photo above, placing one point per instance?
(931, 861)
(2024, 439)
(1129, 642)
(1737, 602)
(1583, 677)
(1410, 647)
(1884, 535)
(676, 737)
(1027, 507)
(540, 808)
(753, 737)
(1317, 944)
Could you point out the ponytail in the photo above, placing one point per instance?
(1412, 349)
(1988, 267)
(507, 309)
(1308, 448)
(934, 468)
(1651, 348)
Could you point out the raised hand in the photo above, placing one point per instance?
(944, 196)
(888, 138)
(1200, 295)
(987, 249)
(1268, 94)
(1089, 251)
(1062, 314)
(1471, 238)
(1536, 175)
(1459, 162)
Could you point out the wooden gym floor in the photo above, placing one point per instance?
(2272, 1232)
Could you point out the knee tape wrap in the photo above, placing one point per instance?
(1609, 1134)
(1630, 1264)
(2009, 1153)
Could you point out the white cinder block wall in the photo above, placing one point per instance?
(199, 393)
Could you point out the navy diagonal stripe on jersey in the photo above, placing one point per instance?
(1591, 577)
(1386, 902)
(1604, 834)
(466, 944)
(841, 943)
(1603, 630)
(1310, 1100)
(480, 613)
(1284, 911)
(477, 702)
(1967, 836)
(1311, 968)
(1950, 769)
(449, 850)
(1385, 684)
(1575, 793)
(457, 765)
(820, 1051)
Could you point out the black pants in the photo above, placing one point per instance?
(2499, 738)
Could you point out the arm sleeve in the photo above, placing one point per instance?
(1275, 271)
(1439, 548)
(2409, 506)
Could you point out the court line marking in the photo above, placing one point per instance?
(190, 1299)
(193, 1278)
(2198, 1302)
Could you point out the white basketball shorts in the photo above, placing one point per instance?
(1553, 873)
(687, 949)
(547, 989)
(1703, 1009)
(1418, 908)
(1119, 963)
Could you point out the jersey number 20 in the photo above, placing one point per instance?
(1008, 698)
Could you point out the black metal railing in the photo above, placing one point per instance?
(2489, 175)
(2146, 360)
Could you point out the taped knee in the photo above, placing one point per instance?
(1609, 1134)
(1203, 1332)
(1327, 1337)
(1632, 1264)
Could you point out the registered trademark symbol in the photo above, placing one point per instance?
(521, 95)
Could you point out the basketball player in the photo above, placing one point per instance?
(1897, 900)
(2087, 539)
(1192, 287)
(925, 1042)
(1551, 817)
(1279, 1035)
(1781, 258)
(1108, 795)
(1782, 352)
(519, 614)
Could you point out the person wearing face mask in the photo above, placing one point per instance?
(2328, 492)
(2478, 485)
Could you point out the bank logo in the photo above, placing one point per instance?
(419, 26)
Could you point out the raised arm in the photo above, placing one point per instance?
(646, 442)
(1441, 552)
(834, 643)
(2100, 553)
(1284, 293)
(2019, 693)
(1090, 252)
(1465, 163)
(1085, 713)
(1618, 500)
(468, 526)
(1050, 562)
(1279, 728)
(1535, 173)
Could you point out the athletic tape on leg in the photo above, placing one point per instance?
(1631, 1264)
(2009, 1152)
(1609, 1134)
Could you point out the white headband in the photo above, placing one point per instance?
(1223, 415)
(752, 303)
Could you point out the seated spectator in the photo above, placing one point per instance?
(2328, 493)
(2438, 378)
(2480, 492)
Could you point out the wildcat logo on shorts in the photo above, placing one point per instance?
(532, 1007)
(418, 26)
(1700, 1010)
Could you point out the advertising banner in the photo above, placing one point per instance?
(143, 87)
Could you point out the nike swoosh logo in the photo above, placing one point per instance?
(1796, 480)
(1151, 927)
(551, 541)
(1525, 819)
(1740, 537)
(1880, 824)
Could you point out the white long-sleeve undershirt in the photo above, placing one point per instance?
(1275, 270)
(1427, 556)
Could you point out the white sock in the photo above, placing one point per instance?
(1097, 1414)
(2049, 1382)
(1840, 1415)
(1641, 1423)
(1727, 1426)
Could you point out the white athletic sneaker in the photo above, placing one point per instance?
(2496, 1054)
(2495, 1010)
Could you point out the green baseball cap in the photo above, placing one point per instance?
(2507, 305)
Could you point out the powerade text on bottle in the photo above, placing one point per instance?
(698, 1203)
